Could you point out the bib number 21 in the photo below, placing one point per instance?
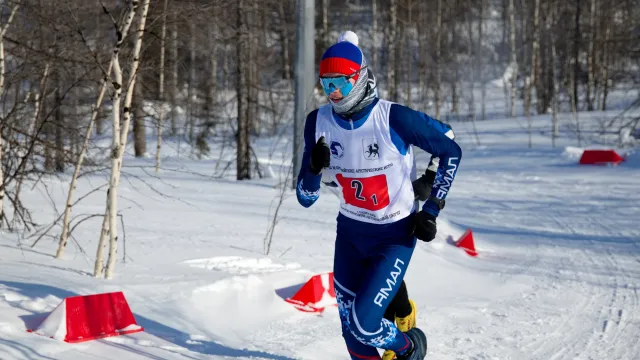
(369, 193)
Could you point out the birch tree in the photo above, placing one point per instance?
(64, 235)
(534, 75)
(108, 226)
(512, 59)
(3, 31)
(163, 37)
(120, 146)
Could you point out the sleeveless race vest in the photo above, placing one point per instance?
(373, 176)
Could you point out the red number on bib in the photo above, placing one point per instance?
(369, 193)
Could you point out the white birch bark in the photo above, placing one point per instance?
(163, 37)
(119, 150)
(74, 179)
(98, 269)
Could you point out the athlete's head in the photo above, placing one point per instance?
(343, 74)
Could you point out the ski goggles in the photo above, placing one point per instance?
(342, 83)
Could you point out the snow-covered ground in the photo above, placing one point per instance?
(557, 276)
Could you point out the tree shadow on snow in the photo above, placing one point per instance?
(152, 327)
(26, 351)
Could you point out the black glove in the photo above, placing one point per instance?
(320, 156)
(422, 185)
(425, 226)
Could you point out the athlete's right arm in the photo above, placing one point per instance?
(308, 187)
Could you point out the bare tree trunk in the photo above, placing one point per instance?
(3, 31)
(64, 235)
(191, 90)
(213, 76)
(116, 165)
(163, 38)
(243, 156)
(473, 68)
(37, 104)
(576, 60)
(409, 56)
(591, 56)
(438, 55)
(554, 80)
(20, 171)
(602, 99)
(139, 129)
(225, 66)
(108, 226)
(374, 32)
(392, 92)
(422, 55)
(47, 135)
(480, 57)
(513, 59)
(58, 133)
(534, 75)
(456, 75)
(573, 75)
(284, 37)
(100, 122)
(174, 75)
(252, 18)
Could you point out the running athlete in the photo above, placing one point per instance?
(363, 144)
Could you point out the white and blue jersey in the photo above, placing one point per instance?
(374, 148)
(372, 164)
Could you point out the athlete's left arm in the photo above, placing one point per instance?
(416, 128)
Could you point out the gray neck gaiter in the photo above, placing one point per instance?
(363, 93)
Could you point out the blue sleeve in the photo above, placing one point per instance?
(416, 128)
(308, 186)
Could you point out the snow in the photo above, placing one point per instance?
(55, 325)
(557, 274)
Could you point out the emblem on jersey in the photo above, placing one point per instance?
(371, 149)
(337, 150)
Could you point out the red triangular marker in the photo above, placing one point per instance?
(89, 317)
(466, 243)
(600, 157)
(315, 294)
